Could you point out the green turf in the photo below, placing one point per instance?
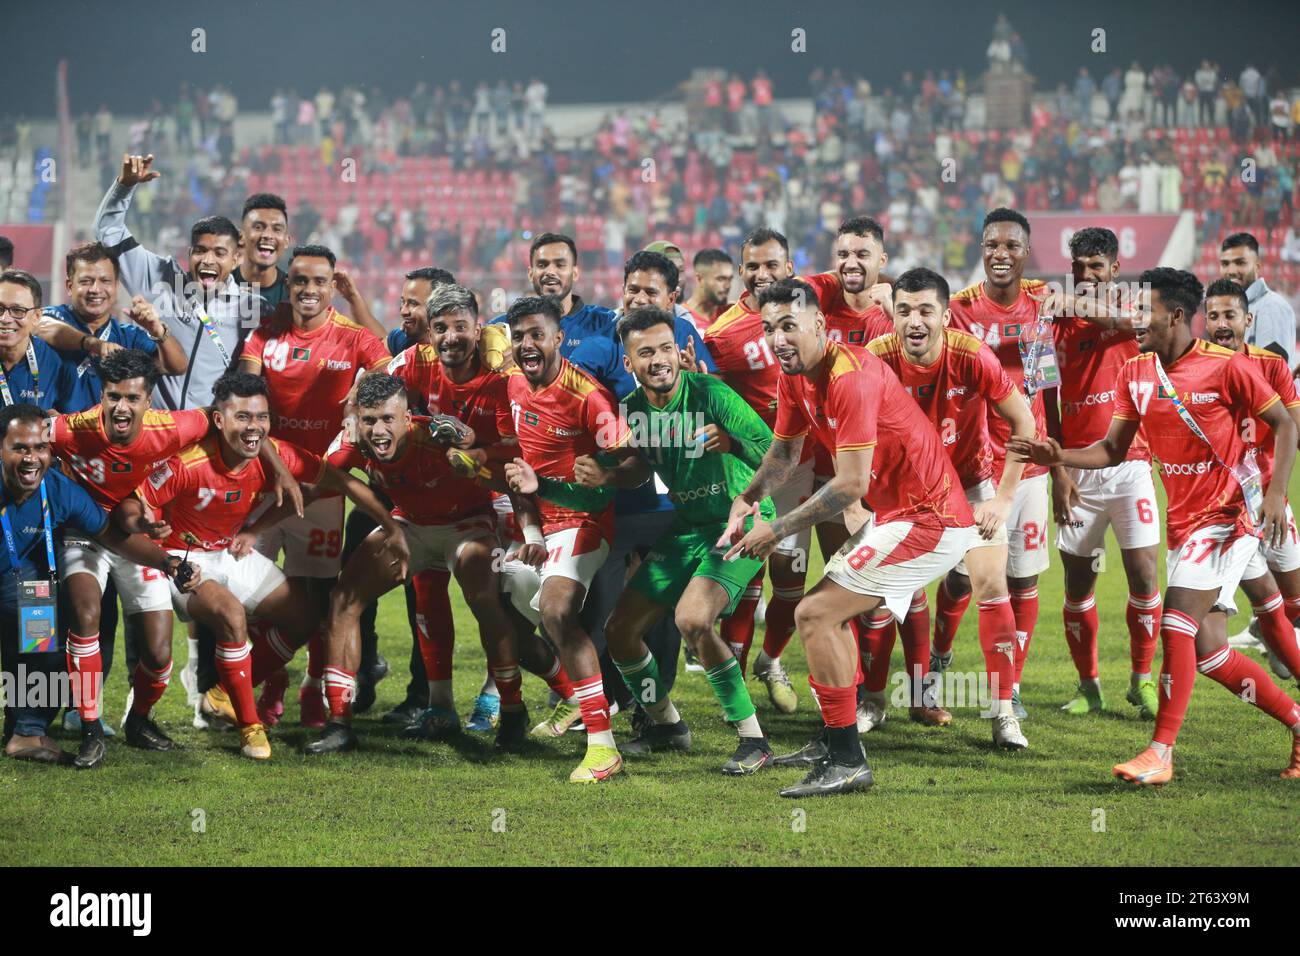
(942, 796)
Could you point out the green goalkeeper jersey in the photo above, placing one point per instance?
(701, 485)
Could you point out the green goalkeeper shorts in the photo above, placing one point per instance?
(684, 553)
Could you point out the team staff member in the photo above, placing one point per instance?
(85, 331)
(203, 307)
(34, 504)
(1274, 325)
(553, 271)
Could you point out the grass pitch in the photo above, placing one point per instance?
(942, 796)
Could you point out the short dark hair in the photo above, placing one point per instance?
(314, 251)
(1094, 241)
(21, 412)
(125, 364)
(89, 253)
(762, 235)
(19, 277)
(862, 226)
(711, 257)
(1003, 214)
(789, 291)
(1228, 287)
(239, 385)
(546, 305)
(264, 201)
(376, 388)
(652, 262)
(432, 275)
(919, 280)
(213, 226)
(6, 252)
(641, 320)
(546, 239)
(1240, 239)
(1176, 287)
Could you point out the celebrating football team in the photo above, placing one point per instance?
(602, 485)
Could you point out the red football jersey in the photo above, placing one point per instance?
(111, 472)
(999, 329)
(844, 324)
(205, 502)
(702, 322)
(420, 483)
(1218, 387)
(572, 416)
(955, 393)
(475, 402)
(1274, 370)
(857, 402)
(1089, 358)
(744, 361)
(309, 374)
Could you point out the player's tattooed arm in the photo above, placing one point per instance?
(1106, 453)
(774, 470)
(851, 482)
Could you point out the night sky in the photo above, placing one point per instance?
(127, 53)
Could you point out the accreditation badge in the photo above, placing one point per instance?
(38, 616)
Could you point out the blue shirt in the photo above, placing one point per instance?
(70, 507)
(602, 358)
(54, 385)
(585, 322)
(87, 387)
(398, 341)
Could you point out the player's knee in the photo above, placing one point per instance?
(559, 621)
(811, 618)
(957, 585)
(693, 623)
(988, 589)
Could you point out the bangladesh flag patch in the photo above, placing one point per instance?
(1164, 392)
(1009, 330)
(530, 418)
(232, 496)
(301, 355)
(121, 467)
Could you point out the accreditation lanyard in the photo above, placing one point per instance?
(1038, 356)
(104, 334)
(1246, 472)
(36, 379)
(210, 327)
(37, 600)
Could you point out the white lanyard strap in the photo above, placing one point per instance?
(31, 367)
(1183, 413)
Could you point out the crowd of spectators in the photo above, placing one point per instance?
(916, 153)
